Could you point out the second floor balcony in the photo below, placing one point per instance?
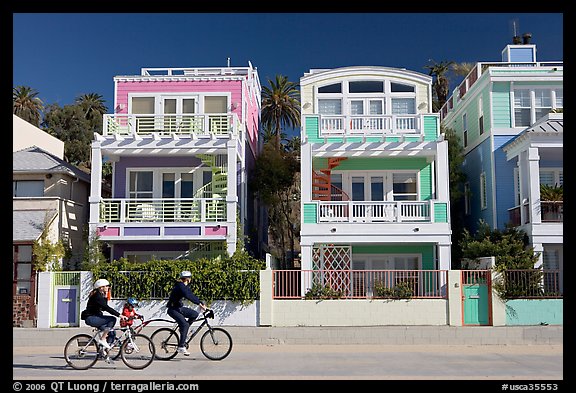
(370, 125)
(124, 210)
(375, 212)
(550, 212)
(193, 125)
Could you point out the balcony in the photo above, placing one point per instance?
(550, 211)
(163, 210)
(193, 125)
(371, 125)
(374, 212)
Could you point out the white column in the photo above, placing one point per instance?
(444, 257)
(306, 172)
(539, 248)
(442, 173)
(95, 186)
(534, 185)
(231, 197)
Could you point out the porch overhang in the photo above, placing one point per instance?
(402, 148)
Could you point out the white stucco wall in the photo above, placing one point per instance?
(26, 135)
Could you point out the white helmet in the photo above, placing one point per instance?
(185, 273)
(101, 283)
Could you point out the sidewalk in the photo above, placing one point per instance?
(329, 335)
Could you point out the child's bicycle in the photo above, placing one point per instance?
(215, 343)
(137, 351)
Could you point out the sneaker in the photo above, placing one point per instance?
(108, 360)
(104, 344)
(130, 346)
(183, 351)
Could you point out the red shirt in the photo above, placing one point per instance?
(126, 311)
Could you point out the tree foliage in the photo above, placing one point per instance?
(235, 278)
(275, 181)
(27, 105)
(509, 246)
(280, 106)
(441, 82)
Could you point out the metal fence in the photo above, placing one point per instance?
(359, 284)
(530, 283)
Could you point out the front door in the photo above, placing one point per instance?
(67, 306)
(475, 297)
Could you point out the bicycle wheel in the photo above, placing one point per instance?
(139, 352)
(165, 342)
(216, 343)
(81, 351)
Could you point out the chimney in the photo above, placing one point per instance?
(526, 38)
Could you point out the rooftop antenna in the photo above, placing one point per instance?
(228, 62)
(515, 37)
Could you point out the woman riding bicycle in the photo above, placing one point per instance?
(184, 316)
(98, 302)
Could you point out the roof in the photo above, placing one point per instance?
(36, 160)
(550, 125)
(27, 225)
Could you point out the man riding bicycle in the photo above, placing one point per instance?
(183, 316)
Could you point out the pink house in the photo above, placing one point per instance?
(181, 143)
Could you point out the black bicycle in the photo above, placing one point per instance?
(215, 343)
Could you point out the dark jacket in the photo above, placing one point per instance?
(179, 292)
(98, 303)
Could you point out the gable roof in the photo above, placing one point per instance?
(36, 160)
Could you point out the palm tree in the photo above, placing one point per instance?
(280, 106)
(441, 83)
(92, 104)
(26, 104)
(463, 69)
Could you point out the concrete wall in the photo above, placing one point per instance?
(355, 312)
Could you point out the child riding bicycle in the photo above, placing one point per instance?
(129, 311)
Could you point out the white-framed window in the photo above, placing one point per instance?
(167, 183)
(366, 97)
(552, 176)
(532, 103)
(330, 106)
(483, 191)
(27, 188)
(378, 185)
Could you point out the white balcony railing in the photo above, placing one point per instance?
(217, 124)
(163, 210)
(356, 211)
(370, 125)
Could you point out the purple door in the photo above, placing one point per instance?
(66, 307)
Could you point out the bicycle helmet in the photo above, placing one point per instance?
(101, 283)
(133, 302)
(185, 273)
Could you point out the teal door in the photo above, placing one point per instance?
(475, 296)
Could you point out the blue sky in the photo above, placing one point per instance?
(64, 55)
